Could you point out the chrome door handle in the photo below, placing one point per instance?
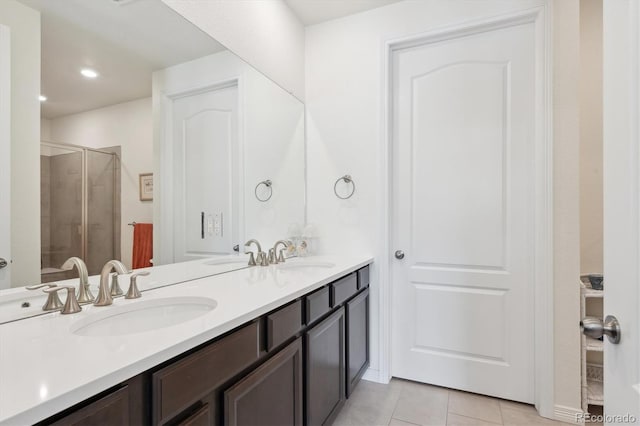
(399, 254)
(594, 327)
(3, 263)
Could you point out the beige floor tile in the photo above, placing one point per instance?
(521, 417)
(359, 415)
(456, 420)
(475, 406)
(396, 422)
(517, 406)
(370, 404)
(343, 417)
(422, 404)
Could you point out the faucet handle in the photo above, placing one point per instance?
(53, 302)
(262, 259)
(133, 292)
(252, 259)
(115, 286)
(272, 256)
(281, 257)
(71, 306)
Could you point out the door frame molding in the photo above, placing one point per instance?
(5, 145)
(543, 217)
(163, 217)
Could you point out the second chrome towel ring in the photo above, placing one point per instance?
(347, 180)
(268, 185)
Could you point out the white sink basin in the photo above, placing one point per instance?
(142, 316)
(300, 264)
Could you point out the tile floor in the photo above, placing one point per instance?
(405, 403)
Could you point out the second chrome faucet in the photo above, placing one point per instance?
(261, 257)
(104, 291)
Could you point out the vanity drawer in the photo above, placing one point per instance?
(363, 277)
(344, 288)
(178, 386)
(283, 324)
(317, 304)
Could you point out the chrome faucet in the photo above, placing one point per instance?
(280, 255)
(104, 292)
(84, 293)
(260, 258)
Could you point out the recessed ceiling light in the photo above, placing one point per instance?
(42, 98)
(88, 72)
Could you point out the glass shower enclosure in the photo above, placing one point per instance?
(80, 208)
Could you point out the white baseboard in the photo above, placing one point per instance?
(374, 376)
(568, 414)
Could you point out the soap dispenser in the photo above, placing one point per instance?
(294, 234)
(309, 241)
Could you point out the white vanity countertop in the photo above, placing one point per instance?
(45, 368)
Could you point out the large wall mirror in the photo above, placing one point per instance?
(146, 119)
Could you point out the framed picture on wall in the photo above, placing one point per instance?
(146, 187)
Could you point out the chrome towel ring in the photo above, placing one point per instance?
(348, 180)
(268, 184)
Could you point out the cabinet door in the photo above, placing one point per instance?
(271, 394)
(325, 372)
(357, 338)
(198, 378)
(112, 409)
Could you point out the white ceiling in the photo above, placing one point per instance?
(313, 12)
(124, 41)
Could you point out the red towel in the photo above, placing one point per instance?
(142, 245)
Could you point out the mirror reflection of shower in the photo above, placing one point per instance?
(80, 207)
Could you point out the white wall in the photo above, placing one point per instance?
(272, 137)
(566, 117)
(129, 125)
(344, 98)
(24, 24)
(266, 34)
(45, 129)
(591, 202)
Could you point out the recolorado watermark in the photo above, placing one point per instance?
(606, 418)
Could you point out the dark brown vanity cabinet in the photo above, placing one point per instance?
(122, 405)
(295, 365)
(325, 369)
(357, 338)
(271, 395)
(190, 388)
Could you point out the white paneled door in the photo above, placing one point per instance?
(5, 158)
(621, 89)
(205, 127)
(463, 211)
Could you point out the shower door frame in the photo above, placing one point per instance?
(85, 193)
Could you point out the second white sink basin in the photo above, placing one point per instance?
(142, 316)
